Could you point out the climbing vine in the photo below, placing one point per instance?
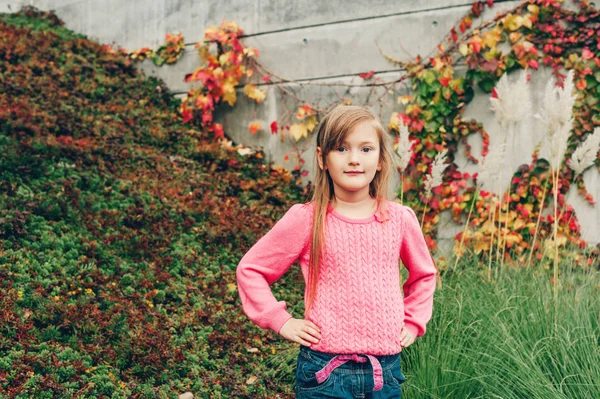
(533, 34)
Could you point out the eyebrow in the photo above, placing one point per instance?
(364, 142)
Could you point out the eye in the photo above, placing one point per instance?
(368, 148)
(341, 148)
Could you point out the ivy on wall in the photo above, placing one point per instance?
(533, 34)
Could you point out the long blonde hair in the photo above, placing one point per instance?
(331, 133)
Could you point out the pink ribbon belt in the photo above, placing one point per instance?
(341, 359)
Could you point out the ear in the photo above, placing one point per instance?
(379, 166)
(320, 159)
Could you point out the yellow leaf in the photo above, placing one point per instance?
(513, 22)
(223, 58)
(464, 49)
(404, 99)
(298, 130)
(519, 224)
(231, 287)
(229, 94)
(250, 52)
(311, 123)
(254, 93)
(394, 120)
(218, 73)
(491, 37)
(481, 245)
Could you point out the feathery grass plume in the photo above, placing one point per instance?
(404, 150)
(557, 119)
(491, 165)
(556, 116)
(585, 155)
(438, 167)
(512, 102)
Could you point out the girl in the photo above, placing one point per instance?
(348, 240)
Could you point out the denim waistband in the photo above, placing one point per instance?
(323, 358)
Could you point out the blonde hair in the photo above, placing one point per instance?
(331, 133)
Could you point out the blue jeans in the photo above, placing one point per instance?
(351, 379)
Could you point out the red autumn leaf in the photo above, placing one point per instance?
(218, 130)
(274, 127)
(367, 75)
(490, 3)
(266, 78)
(444, 81)
(533, 64)
(494, 93)
(305, 173)
(286, 158)
(199, 75)
(454, 35)
(586, 54)
(187, 115)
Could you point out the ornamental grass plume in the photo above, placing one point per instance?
(434, 178)
(491, 166)
(511, 102)
(585, 155)
(556, 118)
(404, 152)
(438, 167)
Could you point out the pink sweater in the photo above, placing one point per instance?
(359, 306)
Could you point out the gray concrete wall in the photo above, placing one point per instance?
(312, 41)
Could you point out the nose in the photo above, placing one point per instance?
(353, 158)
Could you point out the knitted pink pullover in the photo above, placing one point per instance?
(359, 306)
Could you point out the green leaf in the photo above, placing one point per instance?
(429, 77)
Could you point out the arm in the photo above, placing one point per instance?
(266, 262)
(420, 285)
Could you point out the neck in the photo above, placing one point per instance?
(354, 203)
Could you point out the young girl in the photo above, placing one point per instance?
(348, 240)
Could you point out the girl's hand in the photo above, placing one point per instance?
(301, 331)
(406, 339)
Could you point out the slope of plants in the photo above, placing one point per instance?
(120, 229)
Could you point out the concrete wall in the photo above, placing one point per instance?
(312, 41)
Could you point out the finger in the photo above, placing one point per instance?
(302, 342)
(313, 325)
(312, 331)
(309, 337)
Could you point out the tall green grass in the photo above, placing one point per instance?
(502, 338)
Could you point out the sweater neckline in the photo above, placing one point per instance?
(369, 219)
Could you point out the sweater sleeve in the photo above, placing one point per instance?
(266, 262)
(420, 285)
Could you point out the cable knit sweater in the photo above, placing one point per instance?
(359, 306)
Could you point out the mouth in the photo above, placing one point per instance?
(354, 173)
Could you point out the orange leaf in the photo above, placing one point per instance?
(254, 127)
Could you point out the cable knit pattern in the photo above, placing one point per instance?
(359, 305)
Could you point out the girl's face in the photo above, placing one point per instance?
(360, 154)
